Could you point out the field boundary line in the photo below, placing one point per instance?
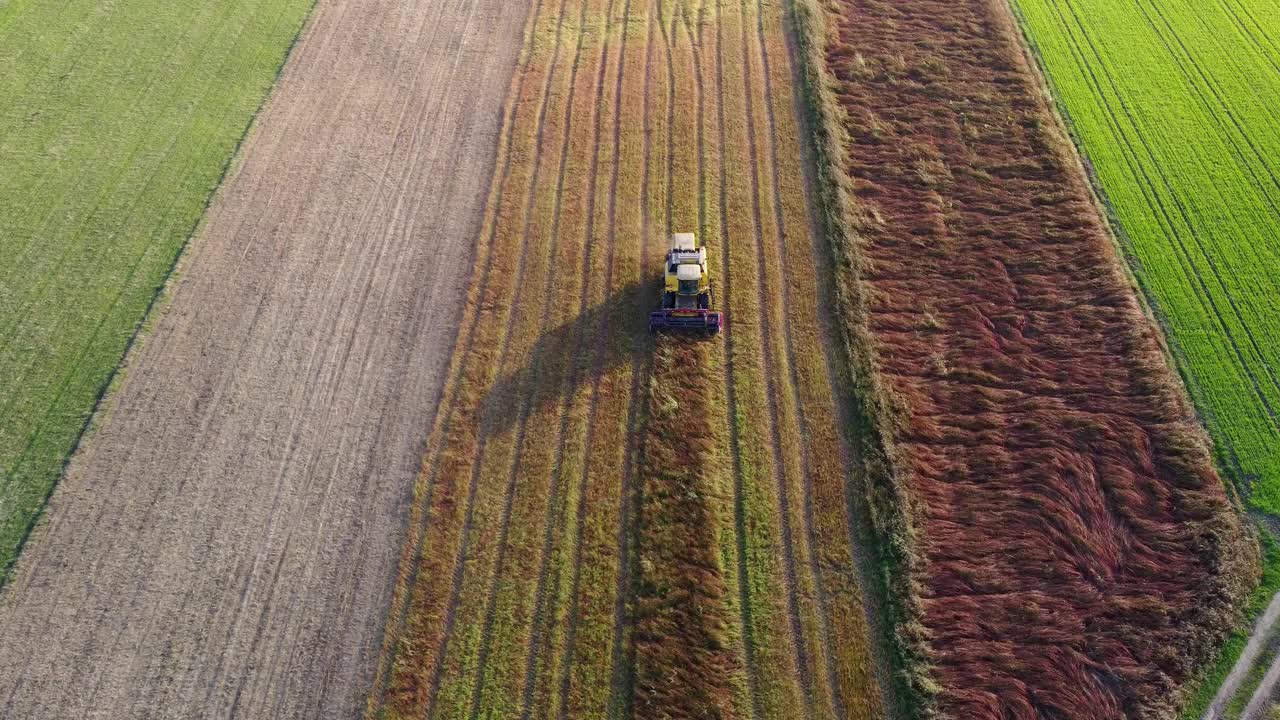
(475, 307)
(104, 395)
(909, 690)
(1140, 169)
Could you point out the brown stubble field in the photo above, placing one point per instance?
(1060, 541)
(518, 592)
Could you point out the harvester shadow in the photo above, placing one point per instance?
(574, 355)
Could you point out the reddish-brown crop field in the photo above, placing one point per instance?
(1069, 550)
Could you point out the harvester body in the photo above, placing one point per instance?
(686, 291)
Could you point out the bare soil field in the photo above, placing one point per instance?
(1066, 548)
(224, 543)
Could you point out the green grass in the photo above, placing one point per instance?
(1235, 709)
(117, 122)
(1173, 103)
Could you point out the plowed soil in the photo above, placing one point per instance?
(1076, 554)
(224, 543)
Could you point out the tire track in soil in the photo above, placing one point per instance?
(801, 653)
(1185, 60)
(490, 403)
(526, 407)
(793, 382)
(486, 637)
(668, 39)
(366, 273)
(731, 401)
(432, 145)
(537, 633)
(620, 703)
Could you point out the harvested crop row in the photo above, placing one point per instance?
(630, 119)
(683, 662)
(1063, 544)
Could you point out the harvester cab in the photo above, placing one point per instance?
(686, 291)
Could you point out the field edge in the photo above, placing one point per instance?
(910, 689)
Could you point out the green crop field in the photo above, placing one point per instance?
(117, 121)
(1174, 104)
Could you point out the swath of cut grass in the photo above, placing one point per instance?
(683, 663)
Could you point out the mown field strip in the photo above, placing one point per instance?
(631, 119)
(116, 125)
(1185, 152)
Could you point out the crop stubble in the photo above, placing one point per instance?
(629, 119)
(1064, 545)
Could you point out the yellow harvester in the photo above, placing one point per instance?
(686, 292)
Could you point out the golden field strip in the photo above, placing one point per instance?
(629, 119)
